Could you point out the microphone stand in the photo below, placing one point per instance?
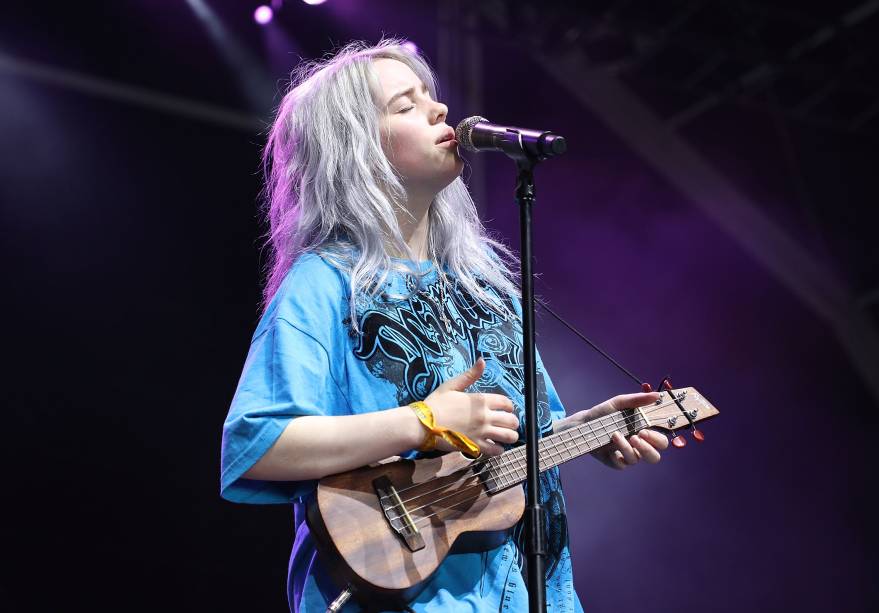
(534, 511)
(527, 148)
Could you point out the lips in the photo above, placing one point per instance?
(447, 136)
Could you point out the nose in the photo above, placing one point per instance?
(439, 112)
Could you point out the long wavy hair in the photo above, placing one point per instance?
(330, 189)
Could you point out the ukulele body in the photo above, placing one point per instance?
(360, 546)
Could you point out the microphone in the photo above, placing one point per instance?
(477, 134)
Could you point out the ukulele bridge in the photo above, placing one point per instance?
(398, 516)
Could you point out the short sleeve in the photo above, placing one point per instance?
(287, 374)
(557, 409)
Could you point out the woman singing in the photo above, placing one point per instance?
(384, 290)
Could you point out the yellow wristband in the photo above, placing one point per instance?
(425, 416)
(429, 442)
(457, 440)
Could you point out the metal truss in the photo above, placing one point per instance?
(659, 142)
(719, 51)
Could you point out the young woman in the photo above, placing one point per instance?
(384, 289)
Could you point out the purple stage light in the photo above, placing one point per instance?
(263, 14)
(410, 46)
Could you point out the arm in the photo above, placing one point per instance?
(311, 447)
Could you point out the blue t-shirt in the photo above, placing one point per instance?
(306, 359)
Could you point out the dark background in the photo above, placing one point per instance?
(131, 261)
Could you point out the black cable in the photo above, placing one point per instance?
(587, 341)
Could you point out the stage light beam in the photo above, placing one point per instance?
(253, 79)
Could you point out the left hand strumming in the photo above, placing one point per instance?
(621, 453)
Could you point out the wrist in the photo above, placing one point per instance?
(437, 431)
(413, 430)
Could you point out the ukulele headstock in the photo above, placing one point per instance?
(665, 414)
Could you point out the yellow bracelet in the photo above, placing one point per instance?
(425, 416)
(457, 440)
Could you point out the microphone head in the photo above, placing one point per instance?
(464, 130)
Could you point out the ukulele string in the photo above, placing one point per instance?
(484, 465)
(515, 466)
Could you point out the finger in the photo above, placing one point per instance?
(647, 452)
(656, 439)
(497, 402)
(491, 448)
(466, 378)
(503, 420)
(625, 448)
(608, 457)
(502, 435)
(617, 460)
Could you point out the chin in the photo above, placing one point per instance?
(445, 175)
(459, 168)
(450, 179)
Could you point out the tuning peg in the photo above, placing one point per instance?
(666, 384)
(678, 441)
(697, 434)
(646, 388)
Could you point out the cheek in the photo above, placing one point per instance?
(404, 154)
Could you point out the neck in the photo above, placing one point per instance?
(414, 225)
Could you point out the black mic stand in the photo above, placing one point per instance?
(534, 513)
(527, 148)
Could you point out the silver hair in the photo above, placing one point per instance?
(331, 190)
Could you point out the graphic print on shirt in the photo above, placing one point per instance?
(408, 343)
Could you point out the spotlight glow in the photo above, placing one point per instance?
(313, 2)
(263, 14)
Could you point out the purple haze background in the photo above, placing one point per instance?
(132, 292)
(764, 506)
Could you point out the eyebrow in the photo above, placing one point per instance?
(405, 92)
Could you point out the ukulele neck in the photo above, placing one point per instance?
(508, 469)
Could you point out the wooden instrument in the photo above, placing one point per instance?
(384, 529)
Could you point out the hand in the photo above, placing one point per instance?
(622, 453)
(487, 419)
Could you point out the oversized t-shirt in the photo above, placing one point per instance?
(305, 358)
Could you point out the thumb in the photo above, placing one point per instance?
(633, 401)
(466, 378)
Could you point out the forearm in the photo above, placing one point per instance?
(569, 421)
(311, 447)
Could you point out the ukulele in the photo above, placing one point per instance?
(384, 529)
